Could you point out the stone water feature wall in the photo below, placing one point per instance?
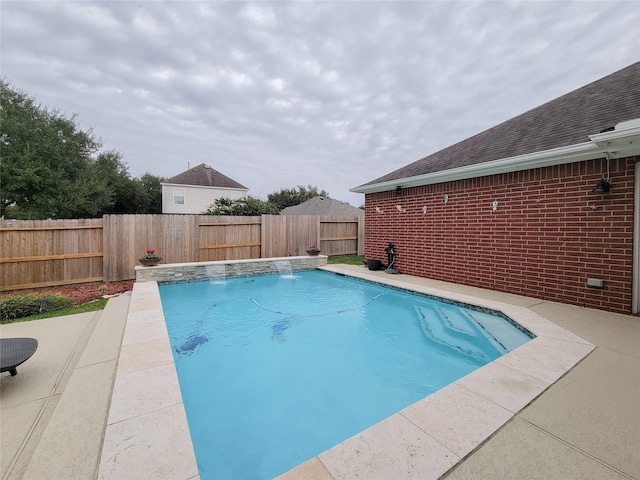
(193, 272)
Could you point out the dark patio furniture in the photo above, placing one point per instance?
(15, 351)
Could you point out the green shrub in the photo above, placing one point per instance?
(18, 306)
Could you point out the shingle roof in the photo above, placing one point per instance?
(204, 176)
(567, 120)
(323, 206)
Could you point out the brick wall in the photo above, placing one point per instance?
(548, 235)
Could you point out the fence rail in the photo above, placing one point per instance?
(43, 253)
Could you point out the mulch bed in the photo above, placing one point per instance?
(83, 293)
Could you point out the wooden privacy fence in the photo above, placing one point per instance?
(37, 253)
(42, 253)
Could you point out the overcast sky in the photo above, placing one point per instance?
(280, 94)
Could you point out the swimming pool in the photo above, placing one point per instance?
(275, 370)
(147, 435)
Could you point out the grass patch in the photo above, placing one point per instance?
(85, 307)
(346, 259)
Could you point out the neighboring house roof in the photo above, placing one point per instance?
(204, 176)
(323, 206)
(569, 120)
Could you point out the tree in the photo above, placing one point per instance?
(247, 206)
(151, 193)
(126, 193)
(46, 169)
(288, 197)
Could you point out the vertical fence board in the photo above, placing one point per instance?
(302, 232)
(273, 236)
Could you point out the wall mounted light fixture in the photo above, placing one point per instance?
(398, 190)
(603, 185)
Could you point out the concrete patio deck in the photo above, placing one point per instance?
(586, 425)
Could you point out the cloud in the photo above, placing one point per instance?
(279, 94)
(259, 14)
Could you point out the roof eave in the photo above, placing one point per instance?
(166, 184)
(616, 144)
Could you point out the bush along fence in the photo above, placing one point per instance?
(45, 253)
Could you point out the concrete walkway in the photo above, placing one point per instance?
(586, 425)
(53, 412)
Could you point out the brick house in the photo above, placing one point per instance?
(513, 208)
(196, 189)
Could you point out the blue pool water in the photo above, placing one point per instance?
(276, 369)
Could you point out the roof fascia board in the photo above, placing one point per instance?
(182, 185)
(557, 156)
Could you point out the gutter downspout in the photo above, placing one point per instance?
(635, 277)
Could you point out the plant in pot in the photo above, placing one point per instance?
(313, 250)
(150, 259)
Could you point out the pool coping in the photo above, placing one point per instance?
(147, 435)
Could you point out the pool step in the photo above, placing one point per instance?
(459, 330)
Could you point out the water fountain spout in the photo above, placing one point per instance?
(216, 273)
(284, 268)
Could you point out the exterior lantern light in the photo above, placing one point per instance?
(602, 187)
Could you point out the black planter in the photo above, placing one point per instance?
(374, 264)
